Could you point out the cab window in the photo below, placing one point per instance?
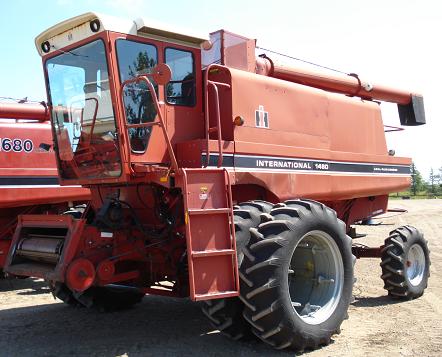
(181, 89)
(136, 58)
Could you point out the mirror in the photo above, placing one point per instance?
(161, 73)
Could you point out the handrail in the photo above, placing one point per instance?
(160, 115)
(208, 83)
(232, 224)
(142, 125)
(218, 125)
(188, 232)
(94, 118)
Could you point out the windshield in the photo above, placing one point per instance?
(82, 113)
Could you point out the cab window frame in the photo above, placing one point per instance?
(157, 60)
(136, 41)
(195, 99)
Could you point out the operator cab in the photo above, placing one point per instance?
(104, 121)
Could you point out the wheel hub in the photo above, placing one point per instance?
(415, 264)
(316, 277)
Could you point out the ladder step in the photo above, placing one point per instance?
(213, 129)
(212, 253)
(213, 268)
(209, 211)
(223, 294)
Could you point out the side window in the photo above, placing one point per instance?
(181, 89)
(135, 58)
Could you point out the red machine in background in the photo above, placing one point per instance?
(28, 173)
(218, 176)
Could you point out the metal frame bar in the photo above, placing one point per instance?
(367, 252)
(390, 128)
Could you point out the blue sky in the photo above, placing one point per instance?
(396, 43)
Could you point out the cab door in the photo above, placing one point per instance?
(137, 56)
(183, 94)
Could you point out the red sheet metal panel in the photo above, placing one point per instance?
(28, 172)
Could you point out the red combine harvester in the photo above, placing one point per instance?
(218, 176)
(28, 174)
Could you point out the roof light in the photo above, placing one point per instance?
(45, 47)
(95, 25)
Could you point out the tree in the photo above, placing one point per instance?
(142, 109)
(417, 183)
(432, 182)
(138, 101)
(438, 178)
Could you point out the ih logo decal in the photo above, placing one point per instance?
(261, 117)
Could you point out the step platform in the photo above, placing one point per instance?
(210, 234)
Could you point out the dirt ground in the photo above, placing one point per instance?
(32, 323)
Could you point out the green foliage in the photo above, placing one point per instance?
(420, 188)
(417, 182)
(438, 181)
(432, 183)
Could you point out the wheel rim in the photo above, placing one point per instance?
(415, 264)
(316, 277)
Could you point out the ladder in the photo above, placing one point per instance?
(210, 234)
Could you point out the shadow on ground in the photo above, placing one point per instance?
(156, 327)
(373, 301)
(34, 286)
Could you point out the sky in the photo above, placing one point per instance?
(390, 42)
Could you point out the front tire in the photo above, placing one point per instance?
(405, 263)
(110, 297)
(297, 276)
(226, 314)
(102, 298)
(63, 293)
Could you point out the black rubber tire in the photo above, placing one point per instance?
(394, 263)
(264, 278)
(226, 315)
(63, 293)
(109, 298)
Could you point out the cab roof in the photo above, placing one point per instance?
(77, 28)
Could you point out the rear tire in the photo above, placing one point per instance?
(226, 315)
(297, 276)
(405, 263)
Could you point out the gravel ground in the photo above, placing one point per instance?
(32, 323)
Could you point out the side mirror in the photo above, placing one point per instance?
(161, 74)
